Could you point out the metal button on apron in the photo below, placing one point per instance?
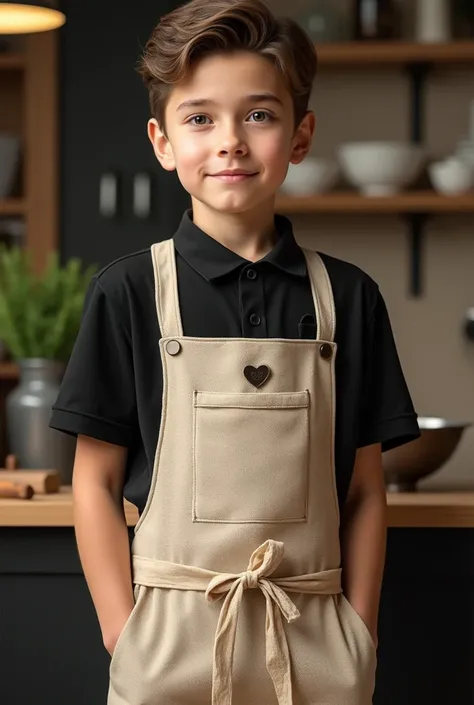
(325, 351)
(173, 347)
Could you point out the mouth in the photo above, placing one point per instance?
(233, 176)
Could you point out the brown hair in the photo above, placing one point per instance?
(203, 27)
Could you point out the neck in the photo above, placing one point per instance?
(251, 235)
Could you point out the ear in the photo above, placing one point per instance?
(161, 145)
(303, 138)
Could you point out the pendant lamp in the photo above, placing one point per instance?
(29, 16)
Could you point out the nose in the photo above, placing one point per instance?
(232, 142)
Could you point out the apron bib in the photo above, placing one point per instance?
(236, 556)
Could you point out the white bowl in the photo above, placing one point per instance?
(451, 176)
(9, 158)
(311, 176)
(380, 168)
(465, 152)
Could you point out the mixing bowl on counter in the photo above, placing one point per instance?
(404, 466)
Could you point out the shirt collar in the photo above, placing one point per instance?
(211, 259)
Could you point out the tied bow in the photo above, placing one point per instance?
(263, 563)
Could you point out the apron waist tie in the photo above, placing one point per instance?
(263, 562)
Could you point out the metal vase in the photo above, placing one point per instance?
(28, 411)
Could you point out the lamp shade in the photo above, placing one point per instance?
(29, 16)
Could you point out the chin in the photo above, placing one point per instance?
(233, 205)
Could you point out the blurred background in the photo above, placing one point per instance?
(389, 186)
(77, 173)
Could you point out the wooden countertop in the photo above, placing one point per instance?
(417, 509)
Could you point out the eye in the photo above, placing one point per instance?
(198, 120)
(261, 116)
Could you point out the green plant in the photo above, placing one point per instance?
(40, 315)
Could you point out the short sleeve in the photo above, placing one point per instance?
(97, 395)
(387, 413)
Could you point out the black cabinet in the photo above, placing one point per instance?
(50, 642)
(51, 649)
(103, 116)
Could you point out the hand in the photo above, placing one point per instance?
(371, 625)
(372, 628)
(112, 634)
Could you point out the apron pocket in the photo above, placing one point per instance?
(359, 624)
(250, 457)
(121, 638)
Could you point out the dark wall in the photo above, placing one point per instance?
(103, 115)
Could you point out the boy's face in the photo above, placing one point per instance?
(232, 112)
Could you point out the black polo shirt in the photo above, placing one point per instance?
(112, 388)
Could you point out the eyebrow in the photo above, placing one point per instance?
(254, 98)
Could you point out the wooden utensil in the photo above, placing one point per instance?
(15, 490)
(42, 481)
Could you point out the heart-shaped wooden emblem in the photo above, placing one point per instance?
(257, 375)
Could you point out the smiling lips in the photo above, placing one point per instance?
(233, 176)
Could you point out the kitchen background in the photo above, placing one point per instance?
(80, 110)
(437, 358)
(101, 145)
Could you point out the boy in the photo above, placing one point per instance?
(204, 387)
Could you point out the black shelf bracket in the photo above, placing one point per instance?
(416, 223)
(418, 74)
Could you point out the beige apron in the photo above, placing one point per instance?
(236, 557)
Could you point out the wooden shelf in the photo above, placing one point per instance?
(352, 53)
(397, 53)
(410, 509)
(431, 509)
(12, 62)
(351, 202)
(8, 370)
(349, 54)
(12, 206)
(48, 510)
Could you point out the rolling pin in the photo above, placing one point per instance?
(13, 490)
(42, 481)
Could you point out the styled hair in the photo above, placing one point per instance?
(203, 27)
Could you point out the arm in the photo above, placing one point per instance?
(101, 532)
(363, 536)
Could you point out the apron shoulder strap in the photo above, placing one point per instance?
(322, 296)
(167, 300)
(166, 289)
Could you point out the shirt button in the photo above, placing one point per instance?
(255, 319)
(251, 274)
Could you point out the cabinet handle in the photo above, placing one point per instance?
(108, 195)
(142, 195)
